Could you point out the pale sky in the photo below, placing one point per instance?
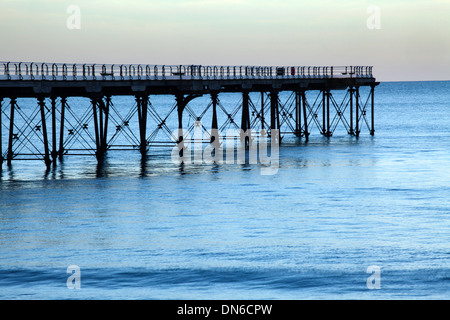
(407, 40)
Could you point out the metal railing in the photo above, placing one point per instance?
(75, 72)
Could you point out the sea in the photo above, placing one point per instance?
(343, 218)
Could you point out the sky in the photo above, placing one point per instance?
(404, 40)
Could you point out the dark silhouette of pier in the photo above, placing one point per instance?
(48, 131)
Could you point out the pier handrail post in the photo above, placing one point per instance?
(84, 72)
(103, 73)
(147, 72)
(74, 71)
(139, 71)
(190, 72)
(31, 71)
(7, 71)
(64, 71)
(42, 70)
(93, 72)
(54, 72)
(131, 71)
(20, 73)
(112, 72)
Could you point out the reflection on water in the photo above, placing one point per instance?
(294, 153)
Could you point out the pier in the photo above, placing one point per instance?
(270, 98)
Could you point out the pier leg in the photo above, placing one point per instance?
(103, 110)
(357, 111)
(100, 125)
(11, 132)
(350, 90)
(54, 152)
(101, 116)
(180, 107)
(328, 133)
(305, 116)
(105, 127)
(139, 112)
(245, 122)
(96, 128)
(323, 112)
(214, 129)
(298, 117)
(142, 105)
(181, 104)
(274, 115)
(47, 160)
(262, 110)
(61, 129)
(277, 113)
(372, 92)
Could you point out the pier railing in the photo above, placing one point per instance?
(74, 72)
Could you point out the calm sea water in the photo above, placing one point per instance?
(154, 230)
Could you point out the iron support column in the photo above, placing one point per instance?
(139, 112)
(262, 110)
(245, 120)
(11, 132)
(181, 104)
(328, 133)
(47, 160)
(142, 105)
(103, 110)
(274, 116)
(357, 111)
(324, 113)
(180, 107)
(350, 90)
(372, 92)
(305, 115)
(214, 127)
(298, 117)
(100, 125)
(61, 129)
(54, 152)
(105, 127)
(96, 128)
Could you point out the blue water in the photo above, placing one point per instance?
(154, 230)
